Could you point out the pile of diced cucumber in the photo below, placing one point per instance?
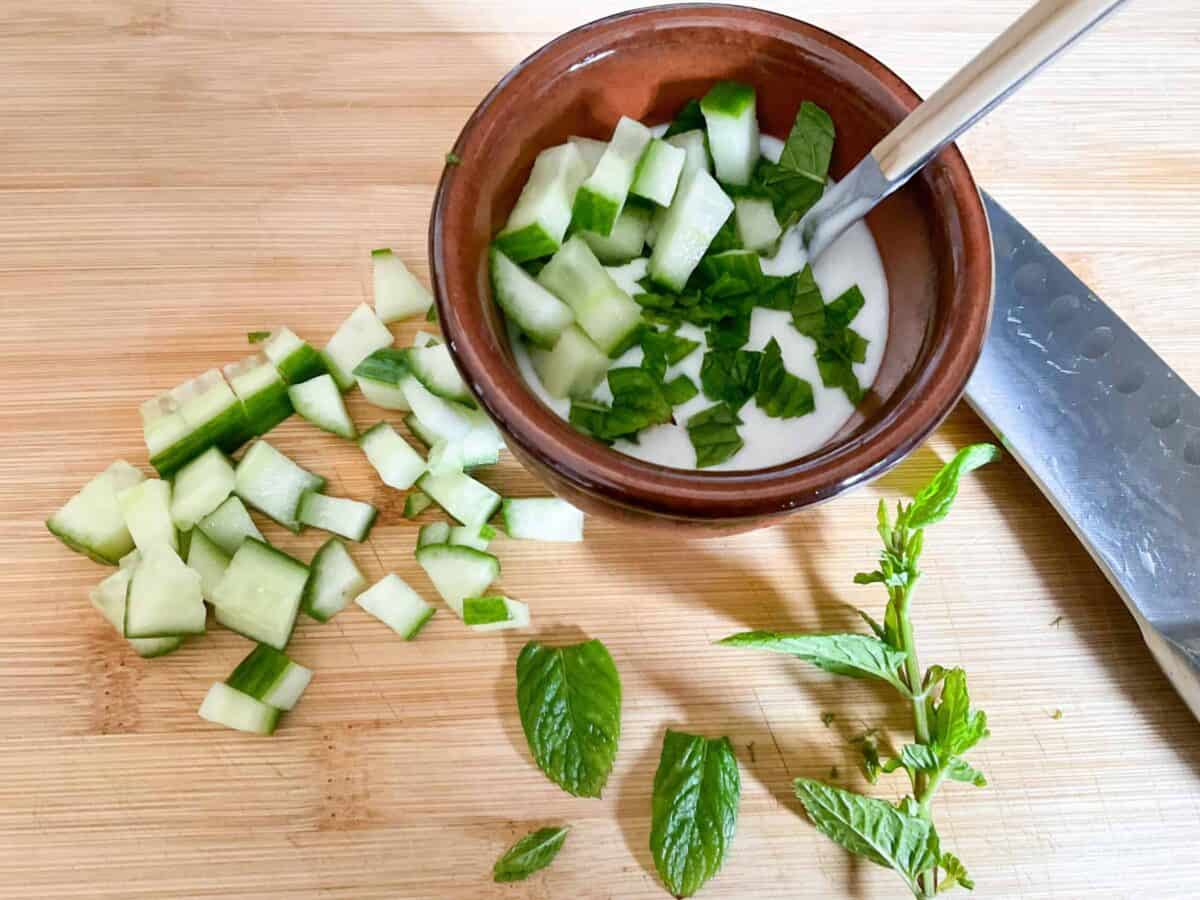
(186, 540)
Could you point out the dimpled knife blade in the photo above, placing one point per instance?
(1107, 430)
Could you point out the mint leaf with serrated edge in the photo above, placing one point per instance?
(780, 394)
(533, 852)
(918, 757)
(872, 828)
(809, 145)
(661, 349)
(730, 376)
(839, 347)
(569, 699)
(856, 655)
(714, 435)
(958, 769)
(956, 874)
(932, 503)
(694, 810)
(956, 727)
(680, 390)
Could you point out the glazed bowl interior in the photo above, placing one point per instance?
(646, 64)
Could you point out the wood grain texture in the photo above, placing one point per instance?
(174, 173)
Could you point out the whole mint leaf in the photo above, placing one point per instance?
(569, 699)
(956, 727)
(694, 809)
(933, 503)
(872, 828)
(856, 655)
(809, 146)
(533, 852)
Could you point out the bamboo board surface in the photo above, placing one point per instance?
(174, 173)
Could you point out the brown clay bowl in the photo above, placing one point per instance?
(933, 236)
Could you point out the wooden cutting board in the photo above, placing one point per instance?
(174, 173)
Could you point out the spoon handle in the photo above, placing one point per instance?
(1024, 48)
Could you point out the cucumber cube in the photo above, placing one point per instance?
(458, 572)
(658, 172)
(601, 197)
(293, 358)
(271, 677)
(542, 213)
(757, 227)
(208, 561)
(590, 149)
(228, 706)
(228, 525)
(320, 401)
(352, 519)
(147, 510)
(272, 483)
(573, 368)
(693, 219)
(381, 376)
(259, 594)
(91, 522)
(333, 579)
(399, 465)
(628, 237)
(539, 314)
(542, 519)
(200, 487)
(398, 293)
(164, 598)
(396, 605)
(732, 121)
(695, 147)
(360, 335)
(261, 390)
(605, 312)
(495, 613)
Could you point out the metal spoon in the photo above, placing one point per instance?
(1028, 45)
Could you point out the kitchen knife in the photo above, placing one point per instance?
(1108, 432)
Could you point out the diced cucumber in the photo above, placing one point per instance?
(434, 368)
(164, 598)
(270, 676)
(261, 390)
(475, 536)
(542, 519)
(458, 572)
(398, 293)
(573, 368)
(109, 597)
(352, 519)
(757, 227)
(398, 464)
(208, 561)
(228, 525)
(273, 484)
(91, 522)
(628, 275)
(495, 613)
(360, 335)
(333, 579)
(695, 145)
(381, 376)
(433, 533)
(416, 503)
(226, 706)
(200, 487)
(482, 434)
(192, 417)
(732, 123)
(319, 401)
(420, 431)
(443, 417)
(259, 594)
(147, 510)
(692, 221)
(542, 213)
(590, 149)
(396, 605)
(538, 313)
(425, 338)
(605, 312)
(628, 237)
(475, 448)
(460, 495)
(658, 172)
(602, 195)
(294, 358)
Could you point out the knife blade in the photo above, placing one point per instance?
(1107, 430)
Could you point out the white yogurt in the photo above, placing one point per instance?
(852, 259)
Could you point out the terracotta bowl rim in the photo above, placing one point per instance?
(613, 477)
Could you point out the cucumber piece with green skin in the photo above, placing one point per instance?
(658, 172)
(435, 369)
(605, 312)
(601, 197)
(446, 422)
(293, 358)
(731, 119)
(458, 572)
(109, 598)
(590, 149)
(573, 368)
(460, 495)
(542, 213)
(164, 597)
(227, 706)
(271, 677)
(200, 487)
(360, 335)
(692, 221)
(229, 524)
(539, 314)
(399, 465)
(333, 579)
(259, 594)
(398, 293)
(208, 561)
(396, 605)
(273, 484)
(320, 401)
(416, 503)
(475, 448)
(433, 533)
(495, 613)
(425, 338)
(381, 376)
(421, 431)
(261, 390)
(443, 417)
(476, 537)
(91, 522)
(147, 510)
(695, 145)
(190, 418)
(352, 519)
(628, 237)
(542, 519)
(757, 227)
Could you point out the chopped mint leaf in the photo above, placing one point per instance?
(797, 181)
(453, 159)
(533, 852)
(776, 291)
(730, 376)
(713, 433)
(535, 266)
(432, 315)
(727, 238)
(838, 345)
(868, 745)
(638, 402)
(257, 337)
(589, 416)
(781, 395)
(729, 333)
(742, 266)
(689, 118)
(1057, 714)
(661, 349)
(679, 390)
